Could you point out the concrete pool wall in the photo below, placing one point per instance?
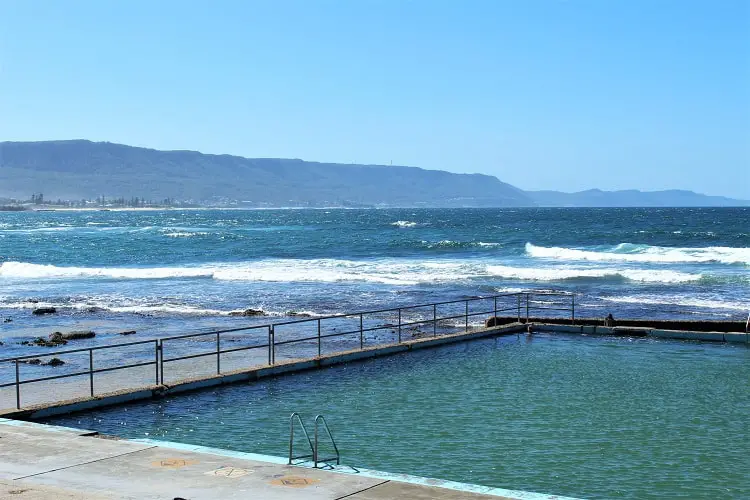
(295, 366)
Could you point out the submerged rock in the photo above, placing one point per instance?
(39, 362)
(128, 332)
(248, 312)
(8, 320)
(44, 310)
(76, 335)
(54, 340)
(295, 314)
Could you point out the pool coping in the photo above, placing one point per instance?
(270, 459)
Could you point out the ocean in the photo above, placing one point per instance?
(173, 271)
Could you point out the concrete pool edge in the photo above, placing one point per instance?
(282, 462)
(249, 374)
(304, 364)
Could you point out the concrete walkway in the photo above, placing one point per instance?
(46, 462)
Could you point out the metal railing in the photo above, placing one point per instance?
(420, 320)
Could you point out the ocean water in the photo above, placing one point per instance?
(173, 271)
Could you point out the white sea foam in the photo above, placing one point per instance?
(404, 223)
(681, 301)
(628, 252)
(185, 234)
(385, 271)
(560, 273)
(36, 271)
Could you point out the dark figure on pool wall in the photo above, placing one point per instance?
(609, 320)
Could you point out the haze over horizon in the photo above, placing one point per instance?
(543, 95)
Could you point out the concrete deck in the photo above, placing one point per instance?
(47, 462)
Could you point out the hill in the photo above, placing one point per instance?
(84, 169)
(631, 198)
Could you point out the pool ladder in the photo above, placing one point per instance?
(320, 422)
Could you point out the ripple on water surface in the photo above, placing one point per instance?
(590, 417)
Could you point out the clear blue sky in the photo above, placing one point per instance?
(569, 95)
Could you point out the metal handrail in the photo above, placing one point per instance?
(159, 358)
(291, 438)
(316, 458)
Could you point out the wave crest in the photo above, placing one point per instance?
(383, 271)
(629, 252)
(561, 274)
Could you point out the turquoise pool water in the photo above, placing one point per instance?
(592, 417)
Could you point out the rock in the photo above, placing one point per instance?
(55, 362)
(34, 361)
(494, 321)
(76, 335)
(295, 314)
(54, 340)
(128, 332)
(8, 320)
(248, 312)
(44, 310)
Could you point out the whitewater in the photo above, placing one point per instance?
(155, 269)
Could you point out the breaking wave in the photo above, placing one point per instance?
(383, 271)
(403, 223)
(560, 274)
(628, 252)
(37, 271)
(681, 301)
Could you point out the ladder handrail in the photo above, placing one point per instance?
(291, 438)
(321, 418)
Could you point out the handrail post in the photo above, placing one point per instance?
(273, 345)
(572, 309)
(399, 325)
(361, 334)
(518, 300)
(156, 362)
(495, 308)
(434, 320)
(466, 317)
(319, 337)
(161, 361)
(270, 362)
(315, 447)
(18, 387)
(527, 308)
(91, 372)
(218, 354)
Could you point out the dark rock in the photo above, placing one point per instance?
(295, 314)
(33, 301)
(494, 321)
(8, 320)
(44, 310)
(34, 361)
(128, 332)
(54, 340)
(55, 362)
(248, 312)
(75, 335)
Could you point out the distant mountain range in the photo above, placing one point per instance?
(83, 169)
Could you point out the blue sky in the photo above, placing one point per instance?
(549, 94)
